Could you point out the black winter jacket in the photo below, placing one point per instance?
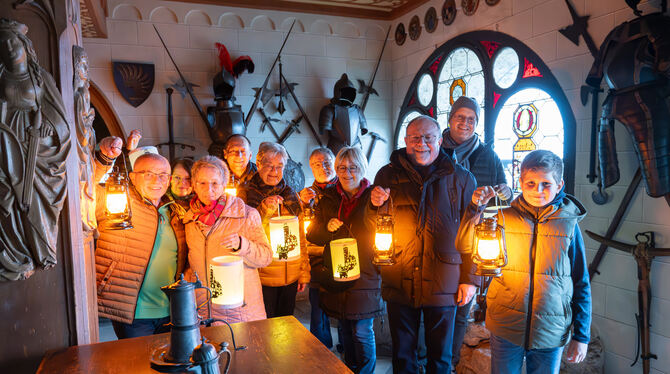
(427, 214)
(355, 300)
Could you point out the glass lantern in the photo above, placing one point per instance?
(383, 251)
(117, 203)
(490, 250)
(307, 217)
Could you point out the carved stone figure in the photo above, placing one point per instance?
(83, 117)
(341, 118)
(34, 137)
(634, 59)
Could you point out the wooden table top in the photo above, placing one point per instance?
(276, 345)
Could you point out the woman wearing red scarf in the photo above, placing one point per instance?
(343, 212)
(218, 224)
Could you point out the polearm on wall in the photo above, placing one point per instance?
(259, 93)
(186, 85)
(368, 89)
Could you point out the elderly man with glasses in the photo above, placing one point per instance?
(132, 265)
(470, 152)
(321, 161)
(429, 193)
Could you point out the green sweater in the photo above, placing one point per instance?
(151, 301)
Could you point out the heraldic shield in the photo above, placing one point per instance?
(134, 80)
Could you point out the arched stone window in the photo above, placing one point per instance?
(523, 106)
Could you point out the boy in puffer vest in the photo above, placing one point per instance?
(544, 290)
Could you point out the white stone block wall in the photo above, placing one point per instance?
(318, 51)
(536, 23)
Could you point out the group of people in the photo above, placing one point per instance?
(438, 186)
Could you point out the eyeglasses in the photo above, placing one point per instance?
(343, 169)
(208, 184)
(462, 118)
(179, 179)
(428, 139)
(151, 175)
(324, 164)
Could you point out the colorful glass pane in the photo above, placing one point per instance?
(528, 120)
(461, 74)
(505, 67)
(425, 90)
(403, 127)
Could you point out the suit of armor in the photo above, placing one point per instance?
(634, 59)
(341, 118)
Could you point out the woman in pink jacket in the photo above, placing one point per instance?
(218, 224)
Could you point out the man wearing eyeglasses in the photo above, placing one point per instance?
(465, 147)
(133, 264)
(429, 193)
(237, 154)
(321, 161)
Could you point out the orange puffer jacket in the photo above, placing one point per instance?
(205, 244)
(122, 257)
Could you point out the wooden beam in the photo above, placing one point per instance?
(342, 9)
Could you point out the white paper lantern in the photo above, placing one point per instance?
(285, 238)
(345, 260)
(226, 280)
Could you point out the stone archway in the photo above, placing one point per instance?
(105, 112)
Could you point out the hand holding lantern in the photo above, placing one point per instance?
(383, 251)
(117, 202)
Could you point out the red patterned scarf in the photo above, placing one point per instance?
(207, 214)
(348, 204)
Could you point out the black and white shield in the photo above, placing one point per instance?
(134, 80)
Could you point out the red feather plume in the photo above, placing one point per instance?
(224, 58)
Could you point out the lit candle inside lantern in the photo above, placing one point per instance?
(345, 261)
(226, 280)
(383, 251)
(285, 238)
(117, 208)
(490, 253)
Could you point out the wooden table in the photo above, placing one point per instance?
(277, 345)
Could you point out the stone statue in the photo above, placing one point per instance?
(34, 137)
(83, 117)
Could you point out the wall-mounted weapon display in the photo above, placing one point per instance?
(171, 144)
(260, 92)
(643, 252)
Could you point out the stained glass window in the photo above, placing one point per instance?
(461, 74)
(523, 108)
(528, 120)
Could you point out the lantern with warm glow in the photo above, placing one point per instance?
(383, 252)
(307, 217)
(345, 261)
(117, 203)
(226, 280)
(285, 238)
(490, 250)
(231, 188)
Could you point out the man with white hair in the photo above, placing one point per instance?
(133, 264)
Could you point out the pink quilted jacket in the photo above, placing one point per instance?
(204, 244)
